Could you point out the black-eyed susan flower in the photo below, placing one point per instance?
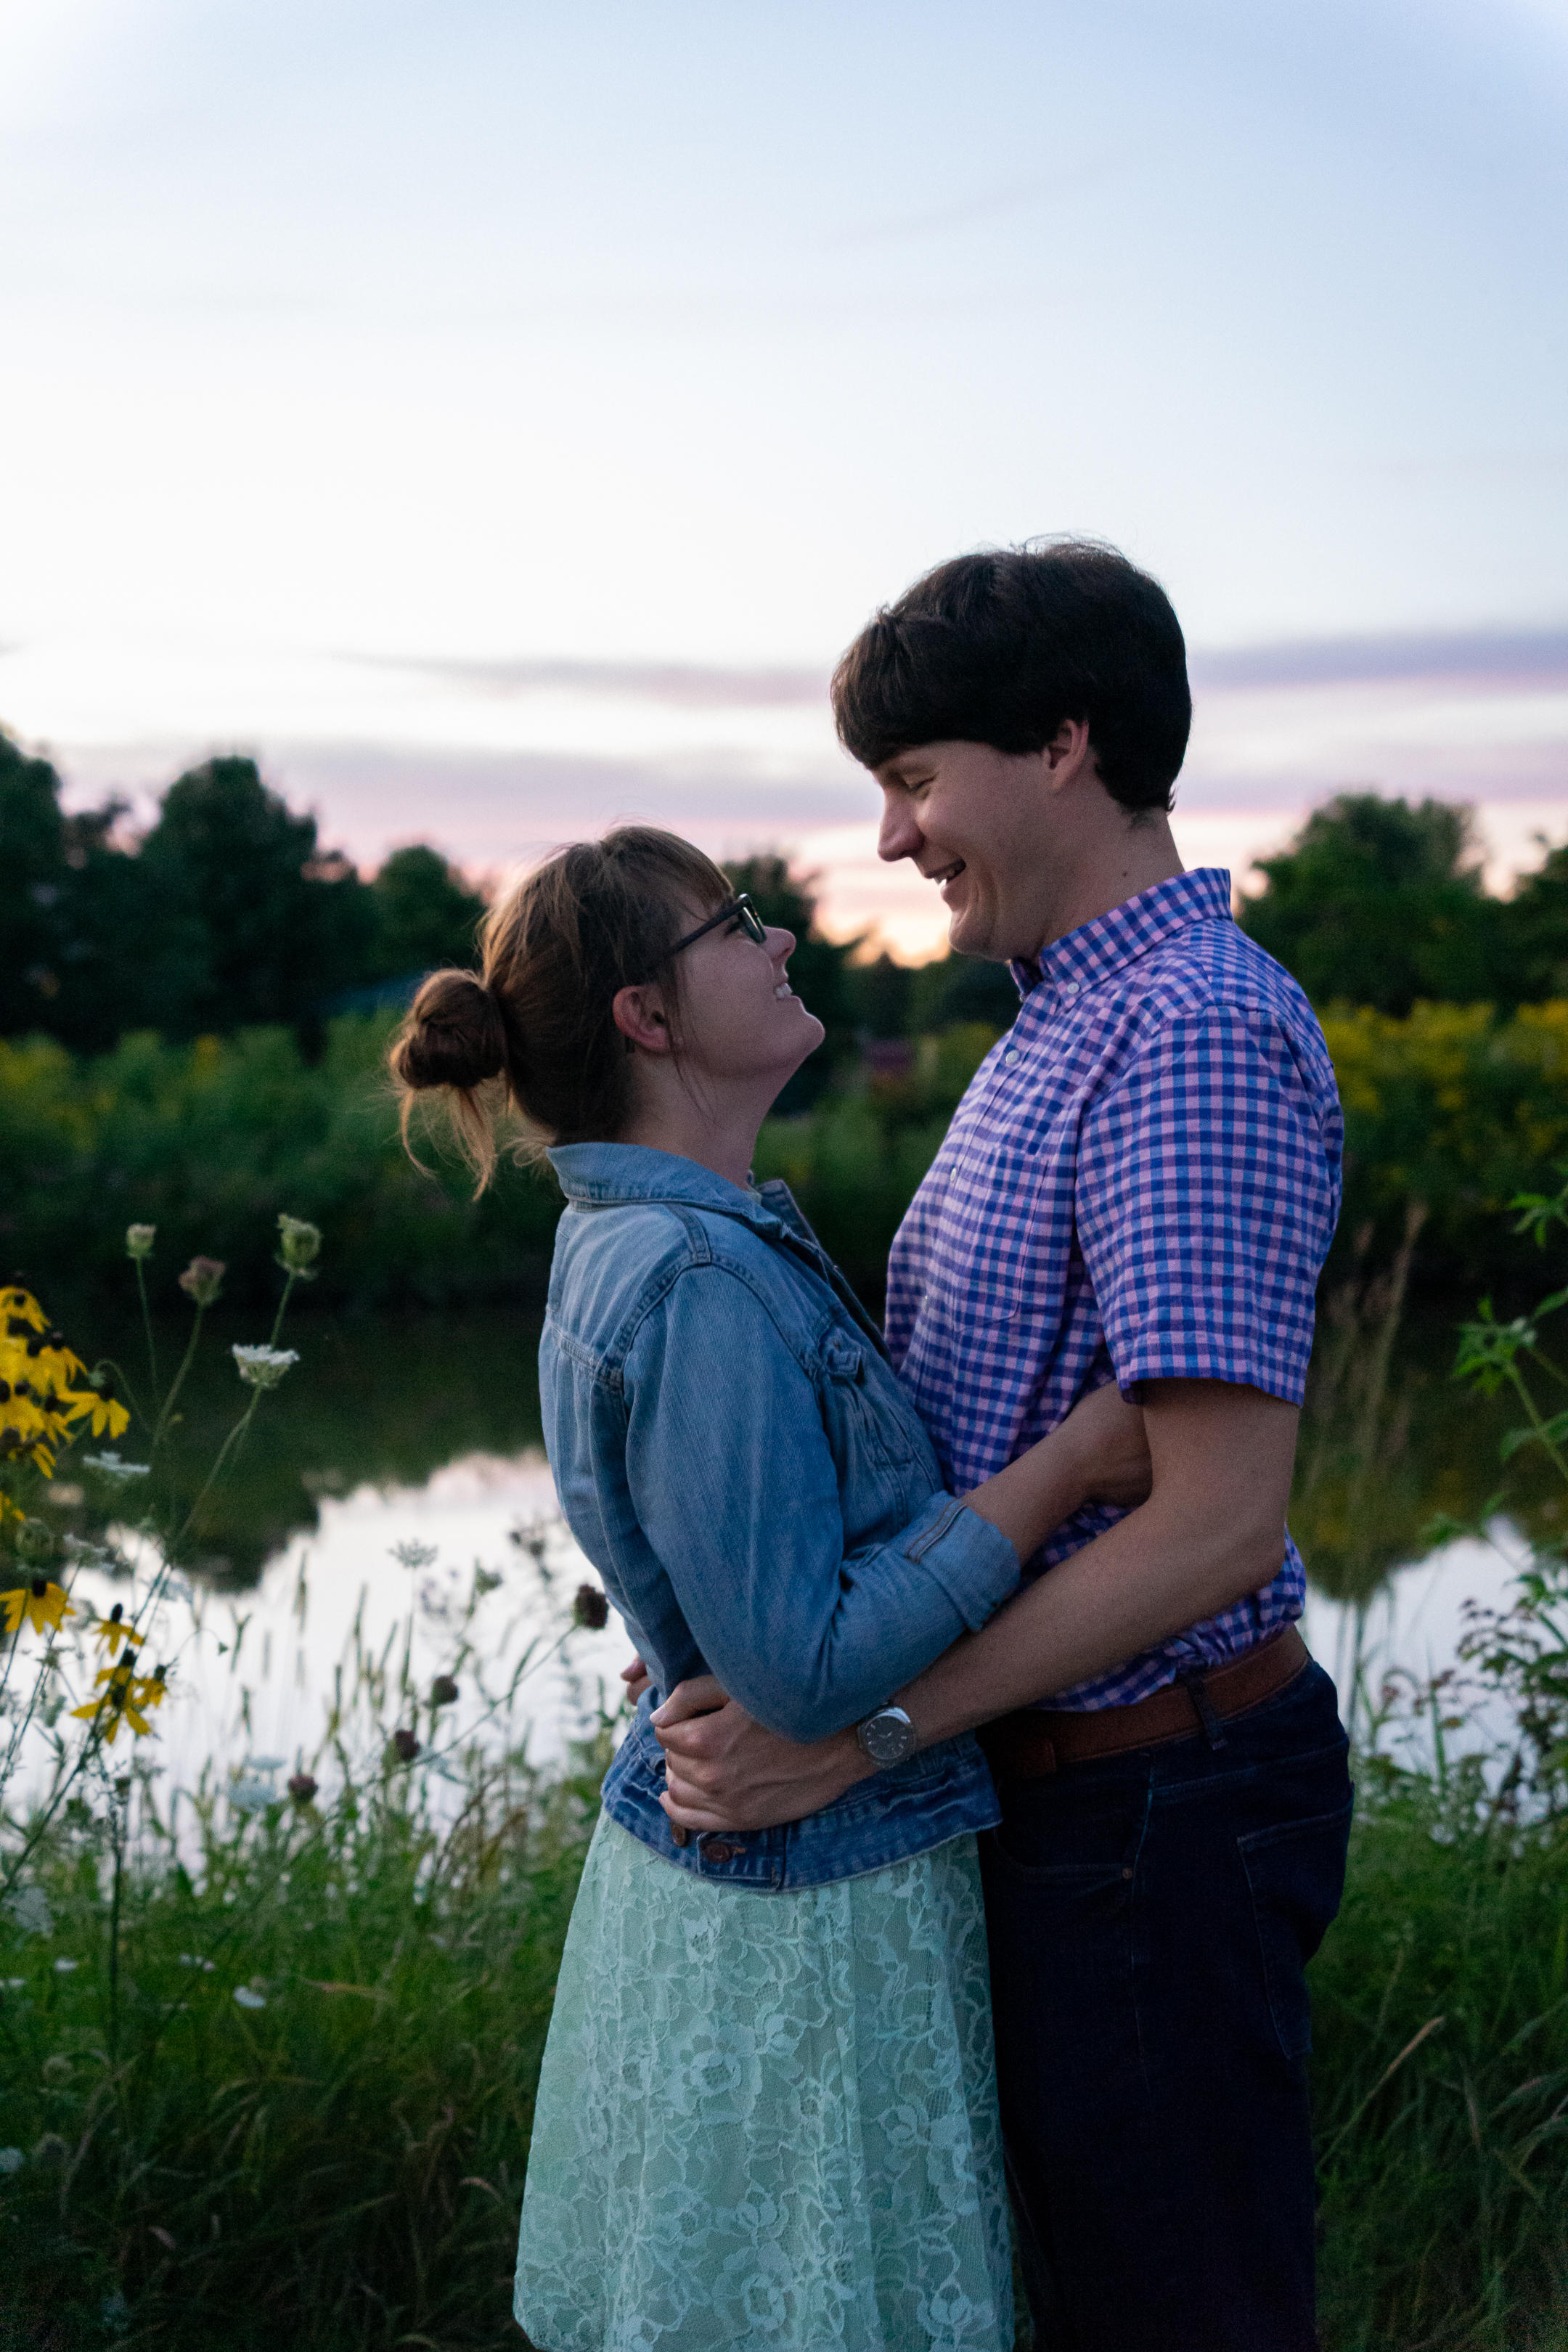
(42, 1602)
(120, 1703)
(113, 1631)
(153, 1688)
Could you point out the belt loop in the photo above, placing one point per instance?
(1196, 1688)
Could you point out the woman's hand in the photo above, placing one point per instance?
(636, 1678)
(1109, 1448)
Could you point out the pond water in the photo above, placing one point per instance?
(392, 1516)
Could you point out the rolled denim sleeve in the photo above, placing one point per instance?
(734, 1486)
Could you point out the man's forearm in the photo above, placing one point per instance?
(1145, 1579)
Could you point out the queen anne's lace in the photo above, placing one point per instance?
(768, 2120)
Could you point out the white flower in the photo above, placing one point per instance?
(264, 1763)
(82, 1554)
(263, 1368)
(15, 1984)
(251, 1796)
(414, 1555)
(195, 1960)
(11, 2159)
(248, 1998)
(64, 1968)
(29, 1907)
(112, 1467)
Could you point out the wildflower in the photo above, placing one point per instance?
(121, 1703)
(405, 1746)
(263, 1368)
(195, 1960)
(485, 1580)
(42, 1602)
(110, 1466)
(11, 2159)
(152, 1689)
(202, 1280)
(112, 1631)
(64, 1967)
(590, 1608)
(250, 1796)
(29, 1907)
(301, 1787)
(414, 1555)
(99, 1405)
(248, 1998)
(300, 1247)
(139, 1240)
(442, 1691)
(57, 2070)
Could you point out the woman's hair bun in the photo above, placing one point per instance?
(454, 1035)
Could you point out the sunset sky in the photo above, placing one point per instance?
(497, 416)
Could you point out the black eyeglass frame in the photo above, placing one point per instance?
(744, 907)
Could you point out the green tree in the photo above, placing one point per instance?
(1535, 925)
(252, 921)
(70, 908)
(1379, 903)
(425, 916)
(818, 969)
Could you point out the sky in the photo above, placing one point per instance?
(497, 416)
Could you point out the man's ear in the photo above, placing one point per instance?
(1068, 754)
(638, 1014)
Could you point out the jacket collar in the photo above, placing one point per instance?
(1112, 942)
(614, 1175)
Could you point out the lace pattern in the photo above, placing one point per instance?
(768, 2119)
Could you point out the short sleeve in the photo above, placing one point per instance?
(1207, 1193)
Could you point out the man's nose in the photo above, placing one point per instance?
(900, 836)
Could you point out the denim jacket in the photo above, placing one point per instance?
(735, 1456)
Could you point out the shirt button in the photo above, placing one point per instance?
(1010, 1055)
(1070, 988)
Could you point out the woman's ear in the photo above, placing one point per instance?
(638, 1014)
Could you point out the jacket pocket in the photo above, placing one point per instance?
(1296, 1874)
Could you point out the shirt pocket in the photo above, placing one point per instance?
(979, 1264)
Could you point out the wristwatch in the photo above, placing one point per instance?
(887, 1738)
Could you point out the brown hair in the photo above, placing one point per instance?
(1002, 646)
(534, 1030)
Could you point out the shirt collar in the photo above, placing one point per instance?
(1098, 949)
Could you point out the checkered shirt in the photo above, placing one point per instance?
(1141, 1181)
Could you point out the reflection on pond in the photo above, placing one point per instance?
(1388, 1439)
(381, 1402)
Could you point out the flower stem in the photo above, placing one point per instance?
(147, 1327)
(119, 1814)
(168, 1406)
(230, 1442)
(283, 1307)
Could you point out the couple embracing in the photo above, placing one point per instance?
(983, 1806)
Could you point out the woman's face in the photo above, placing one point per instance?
(739, 1018)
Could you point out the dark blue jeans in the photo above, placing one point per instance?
(1151, 1916)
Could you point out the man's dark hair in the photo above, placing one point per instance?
(1005, 648)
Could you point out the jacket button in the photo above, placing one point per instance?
(719, 1850)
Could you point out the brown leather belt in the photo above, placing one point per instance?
(1035, 1741)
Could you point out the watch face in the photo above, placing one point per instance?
(888, 1736)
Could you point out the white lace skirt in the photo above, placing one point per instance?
(768, 2119)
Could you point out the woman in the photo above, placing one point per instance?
(766, 2110)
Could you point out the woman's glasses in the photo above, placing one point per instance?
(742, 910)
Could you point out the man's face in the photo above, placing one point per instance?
(977, 821)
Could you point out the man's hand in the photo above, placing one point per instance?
(724, 1771)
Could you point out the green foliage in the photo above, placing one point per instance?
(425, 916)
(1381, 904)
(229, 913)
(338, 2162)
(208, 1141)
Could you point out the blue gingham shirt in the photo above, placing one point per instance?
(1141, 1183)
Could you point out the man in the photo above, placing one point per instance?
(1141, 1183)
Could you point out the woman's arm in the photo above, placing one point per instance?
(734, 1486)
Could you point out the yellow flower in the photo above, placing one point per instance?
(112, 1630)
(14, 1300)
(42, 1603)
(121, 1703)
(153, 1688)
(107, 1417)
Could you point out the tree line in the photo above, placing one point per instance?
(227, 913)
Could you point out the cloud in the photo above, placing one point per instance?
(1497, 657)
(681, 684)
